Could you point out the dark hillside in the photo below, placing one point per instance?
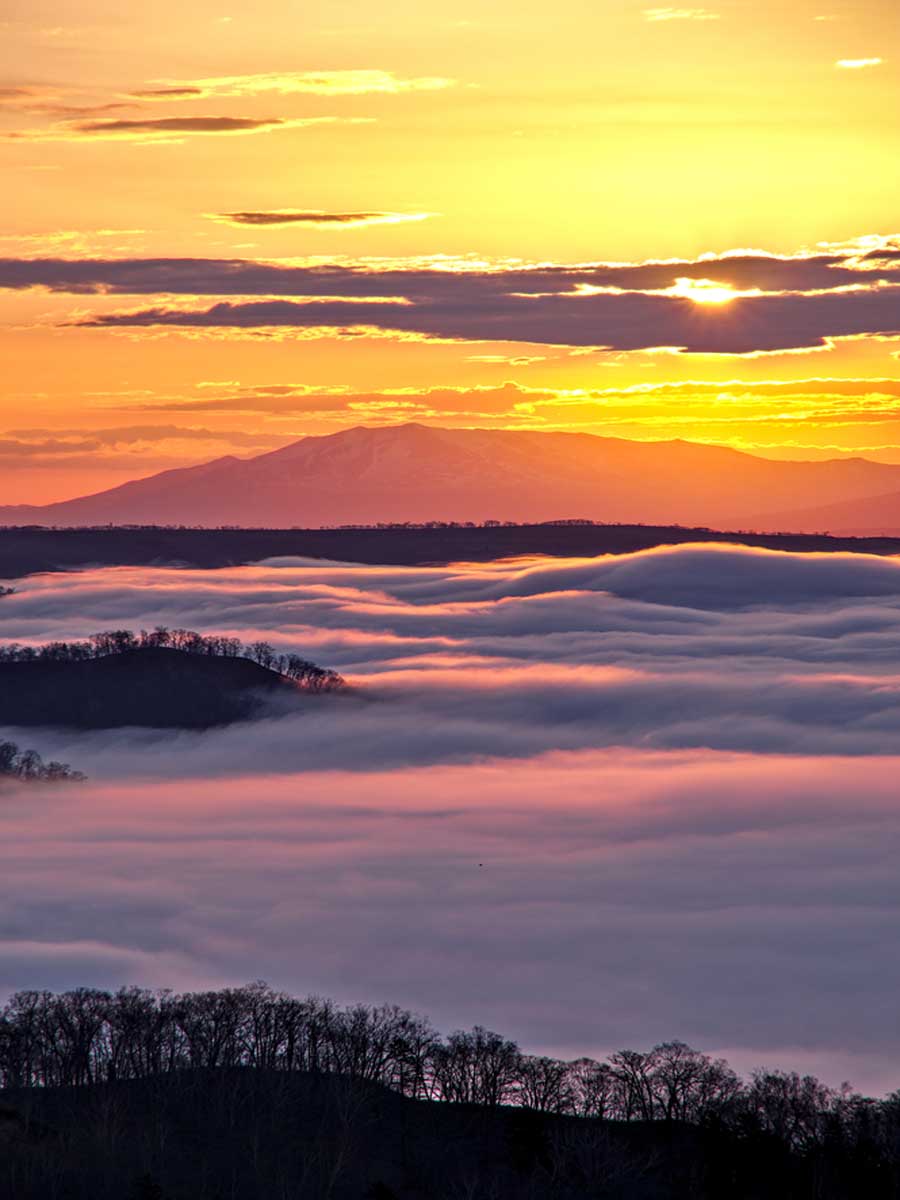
(261, 1135)
(154, 687)
(25, 551)
(251, 1094)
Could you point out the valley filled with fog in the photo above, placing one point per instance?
(589, 802)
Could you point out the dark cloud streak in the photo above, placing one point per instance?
(797, 303)
(315, 218)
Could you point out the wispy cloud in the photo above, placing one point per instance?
(680, 14)
(316, 218)
(168, 93)
(318, 83)
(858, 64)
(170, 129)
(57, 102)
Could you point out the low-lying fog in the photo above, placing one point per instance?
(590, 803)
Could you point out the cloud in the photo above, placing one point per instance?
(102, 447)
(170, 128)
(56, 102)
(169, 93)
(802, 418)
(855, 265)
(301, 398)
(614, 322)
(682, 647)
(316, 218)
(75, 242)
(680, 14)
(317, 83)
(678, 768)
(783, 303)
(858, 64)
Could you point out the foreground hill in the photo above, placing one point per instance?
(253, 1094)
(257, 1135)
(414, 472)
(154, 687)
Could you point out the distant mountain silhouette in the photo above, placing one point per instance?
(869, 516)
(415, 472)
(153, 687)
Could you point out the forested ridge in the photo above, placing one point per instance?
(25, 550)
(111, 642)
(87, 1035)
(620, 1127)
(163, 678)
(27, 766)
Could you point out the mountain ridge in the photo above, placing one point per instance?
(416, 472)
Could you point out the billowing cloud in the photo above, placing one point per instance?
(761, 303)
(686, 646)
(316, 218)
(577, 783)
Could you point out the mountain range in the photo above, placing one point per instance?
(419, 473)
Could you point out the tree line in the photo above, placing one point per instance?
(28, 766)
(89, 1036)
(124, 641)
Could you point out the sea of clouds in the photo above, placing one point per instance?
(591, 803)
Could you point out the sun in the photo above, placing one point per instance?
(706, 291)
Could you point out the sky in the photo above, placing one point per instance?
(590, 803)
(229, 226)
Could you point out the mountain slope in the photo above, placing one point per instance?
(871, 516)
(419, 473)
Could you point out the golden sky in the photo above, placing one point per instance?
(226, 225)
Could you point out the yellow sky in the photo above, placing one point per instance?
(579, 132)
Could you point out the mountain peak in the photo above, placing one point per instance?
(414, 472)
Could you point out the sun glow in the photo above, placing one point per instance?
(707, 291)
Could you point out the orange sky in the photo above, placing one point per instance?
(479, 140)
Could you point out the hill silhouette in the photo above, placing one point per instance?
(253, 1094)
(416, 472)
(26, 550)
(256, 1135)
(166, 679)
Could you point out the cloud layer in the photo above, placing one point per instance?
(676, 767)
(746, 302)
